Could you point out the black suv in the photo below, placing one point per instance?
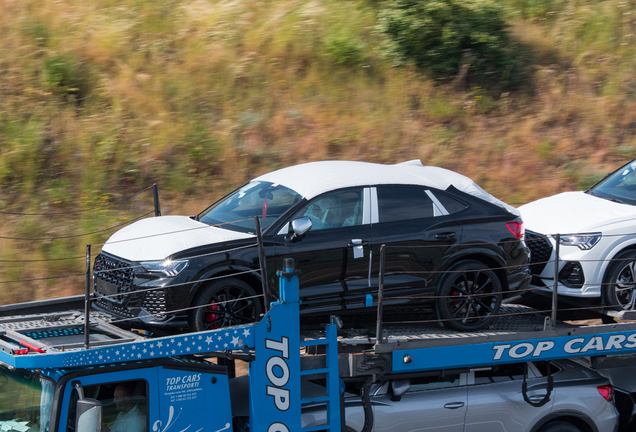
(448, 243)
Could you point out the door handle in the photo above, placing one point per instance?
(454, 405)
(536, 398)
(445, 236)
(358, 242)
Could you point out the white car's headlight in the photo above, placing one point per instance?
(167, 267)
(583, 241)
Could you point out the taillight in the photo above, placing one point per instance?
(517, 229)
(607, 391)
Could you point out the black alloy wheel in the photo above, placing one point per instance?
(227, 302)
(620, 283)
(469, 297)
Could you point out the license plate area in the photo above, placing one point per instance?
(108, 289)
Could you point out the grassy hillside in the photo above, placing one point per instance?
(99, 99)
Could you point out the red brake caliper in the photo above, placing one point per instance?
(211, 317)
(455, 293)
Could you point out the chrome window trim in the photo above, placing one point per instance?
(375, 214)
(438, 208)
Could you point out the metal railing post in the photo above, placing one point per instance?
(261, 260)
(378, 329)
(555, 287)
(87, 297)
(155, 196)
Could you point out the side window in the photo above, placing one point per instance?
(542, 368)
(125, 406)
(396, 203)
(434, 382)
(450, 204)
(334, 210)
(509, 372)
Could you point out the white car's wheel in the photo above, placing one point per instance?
(620, 281)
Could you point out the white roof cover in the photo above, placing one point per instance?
(312, 179)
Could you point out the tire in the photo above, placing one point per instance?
(469, 296)
(560, 427)
(224, 303)
(620, 282)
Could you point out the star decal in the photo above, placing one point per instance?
(208, 340)
(235, 341)
(246, 332)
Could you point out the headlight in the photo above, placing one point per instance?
(167, 267)
(583, 241)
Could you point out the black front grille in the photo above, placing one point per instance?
(114, 271)
(114, 308)
(155, 302)
(541, 251)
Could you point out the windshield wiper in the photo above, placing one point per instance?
(616, 200)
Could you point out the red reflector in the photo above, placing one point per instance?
(607, 391)
(516, 228)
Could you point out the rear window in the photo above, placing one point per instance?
(397, 203)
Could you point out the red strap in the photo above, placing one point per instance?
(28, 348)
(265, 208)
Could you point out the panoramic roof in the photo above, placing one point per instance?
(314, 178)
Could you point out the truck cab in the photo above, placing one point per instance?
(168, 394)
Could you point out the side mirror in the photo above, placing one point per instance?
(298, 228)
(89, 415)
(398, 388)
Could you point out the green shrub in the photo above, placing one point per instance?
(344, 49)
(442, 35)
(63, 73)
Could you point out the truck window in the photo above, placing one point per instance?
(125, 406)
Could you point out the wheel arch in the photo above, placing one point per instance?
(253, 279)
(492, 260)
(616, 251)
(578, 419)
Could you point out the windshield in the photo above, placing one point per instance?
(263, 199)
(25, 402)
(619, 187)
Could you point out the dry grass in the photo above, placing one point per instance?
(200, 96)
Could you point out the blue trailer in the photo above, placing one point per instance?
(50, 381)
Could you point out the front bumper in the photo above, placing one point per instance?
(543, 254)
(121, 289)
